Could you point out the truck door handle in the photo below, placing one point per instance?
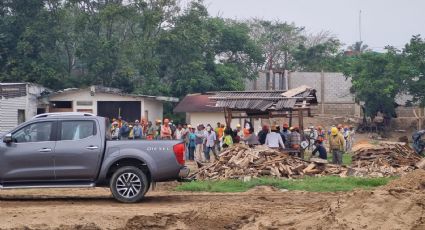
(92, 147)
(45, 150)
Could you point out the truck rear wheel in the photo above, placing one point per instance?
(129, 184)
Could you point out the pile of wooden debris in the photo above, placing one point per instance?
(240, 162)
(385, 159)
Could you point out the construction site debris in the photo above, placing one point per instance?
(241, 161)
(384, 159)
(421, 164)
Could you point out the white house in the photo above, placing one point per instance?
(18, 103)
(107, 102)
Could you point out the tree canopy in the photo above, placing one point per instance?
(414, 69)
(150, 47)
(157, 47)
(378, 78)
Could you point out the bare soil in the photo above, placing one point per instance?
(259, 208)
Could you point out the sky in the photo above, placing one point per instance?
(383, 22)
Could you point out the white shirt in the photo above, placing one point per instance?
(210, 139)
(273, 140)
(178, 134)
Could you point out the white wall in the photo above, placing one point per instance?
(9, 107)
(213, 117)
(84, 95)
(154, 107)
(9, 112)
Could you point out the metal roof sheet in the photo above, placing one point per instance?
(264, 100)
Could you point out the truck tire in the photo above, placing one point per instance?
(129, 184)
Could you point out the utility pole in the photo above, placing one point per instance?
(360, 25)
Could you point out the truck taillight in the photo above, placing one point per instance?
(179, 150)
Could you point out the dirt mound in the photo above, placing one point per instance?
(376, 210)
(411, 181)
(157, 221)
(91, 226)
(262, 189)
(202, 218)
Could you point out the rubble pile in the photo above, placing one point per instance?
(384, 159)
(240, 162)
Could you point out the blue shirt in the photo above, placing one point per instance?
(137, 131)
(322, 152)
(192, 138)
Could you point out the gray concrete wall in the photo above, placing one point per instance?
(333, 90)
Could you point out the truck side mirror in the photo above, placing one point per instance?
(7, 138)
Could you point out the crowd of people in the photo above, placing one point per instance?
(203, 140)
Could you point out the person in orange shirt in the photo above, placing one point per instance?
(246, 132)
(166, 130)
(220, 131)
(220, 134)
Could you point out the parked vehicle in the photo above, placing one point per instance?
(64, 150)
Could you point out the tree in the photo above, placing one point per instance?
(202, 54)
(376, 79)
(358, 48)
(28, 43)
(414, 69)
(320, 56)
(278, 41)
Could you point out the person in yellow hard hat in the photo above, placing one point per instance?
(336, 145)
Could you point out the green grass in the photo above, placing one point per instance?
(346, 158)
(311, 184)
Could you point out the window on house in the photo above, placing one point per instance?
(21, 116)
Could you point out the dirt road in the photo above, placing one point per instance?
(260, 208)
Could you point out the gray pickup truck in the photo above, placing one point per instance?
(69, 150)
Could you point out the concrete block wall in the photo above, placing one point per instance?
(312, 79)
(340, 109)
(403, 111)
(333, 92)
(337, 88)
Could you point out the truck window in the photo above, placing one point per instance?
(77, 130)
(36, 132)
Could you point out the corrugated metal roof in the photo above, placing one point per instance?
(264, 100)
(196, 103)
(110, 90)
